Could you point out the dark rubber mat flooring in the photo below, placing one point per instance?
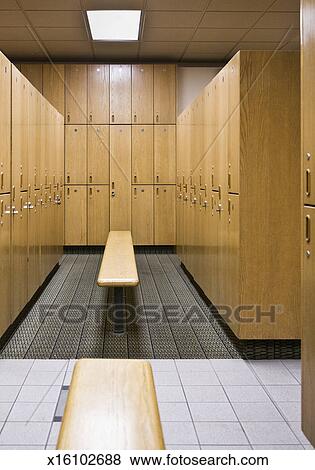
(168, 317)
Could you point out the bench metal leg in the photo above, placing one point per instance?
(119, 322)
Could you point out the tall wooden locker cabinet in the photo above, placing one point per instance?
(98, 214)
(76, 93)
(75, 154)
(5, 305)
(33, 244)
(164, 94)
(120, 94)
(19, 272)
(98, 154)
(120, 184)
(308, 232)
(142, 215)
(142, 94)
(98, 94)
(142, 154)
(5, 123)
(164, 154)
(54, 86)
(164, 215)
(76, 215)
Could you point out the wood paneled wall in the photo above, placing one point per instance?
(308, 233)
(31, 190)
(121, 133)
(238, 194)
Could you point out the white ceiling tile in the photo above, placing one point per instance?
(113, 4)
(168, 34)
(50, 4)
(229, 19)
(279, 20)
(239, 5)
(15, 34)
(108, 51)
(195, 5)
(57, 19)
(167, 19)
(213, 34)
(22, 50)
(69, 49)
(62, 34)
(162, 50)
(210, 48)
(270, 35)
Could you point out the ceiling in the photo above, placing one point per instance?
(185, 31)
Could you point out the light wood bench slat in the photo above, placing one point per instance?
(111, 405)
(118, 266)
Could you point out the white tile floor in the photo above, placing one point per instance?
(204, 404)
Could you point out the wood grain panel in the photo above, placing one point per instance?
(76, 215)
(98, 94)
(142, 215)
(142, 154)
(5, 246)
(142, 94)
(76, 93)
(98, 214)
(5, 124)
(120, 94)
(98, 154)
(54, 85)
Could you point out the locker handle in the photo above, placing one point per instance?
(2, 209)
(46, 180)
(113, 117)
(157, 178)
(68, 117)
(113, 184)
(91, 191)
(91, 178)
(157, 192)
(308, 182)
(229, 180)
(35, 179)
(135, 118)
(220, 194)
(229, 206)
(308, 229)
(13, 192)
(135, 178)
(157, 118)
(21, 180)
(21, 203)
(91, 117)
(2, 180)
(212, 180)
(135, 192)
(68, 191)
(68, 180)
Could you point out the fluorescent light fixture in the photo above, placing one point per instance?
(114, 25)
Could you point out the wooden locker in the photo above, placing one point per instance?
(32, 139)
(34, 74)
(54, 85)
(98, 214)
(5, 285)
(164, 215)
(120, 94)
(120, 178)
(76, 93)
(142, 94)
(308, 322)
(19, 294)
(142, 215)
(5, 124)
(20, 89)
(98, 154)
(45, 229)
(164, 154)
(75, 154)
(142, 154)
(164, 94)
(76, 215)
(98, 94)
(233, 131)
(233, 247)
(33, 244)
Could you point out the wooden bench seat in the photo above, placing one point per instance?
(111, 405)
(118, 270)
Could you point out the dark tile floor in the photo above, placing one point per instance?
(168, 317)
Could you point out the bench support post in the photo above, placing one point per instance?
(119, 313)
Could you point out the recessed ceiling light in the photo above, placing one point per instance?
(114, 25)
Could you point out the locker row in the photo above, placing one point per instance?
(148, 211)
(238, 231)
(89, 150)
(103, 94)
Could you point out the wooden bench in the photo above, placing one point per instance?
(118, 270)
(111, 405)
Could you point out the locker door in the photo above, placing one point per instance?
(75, 154)
(233, 254)
(5, 123)
(76, 215)
(308, 322)
(98, 215)
(76, 93)
(164, 154)
(142, 154)
(120, 94)
(120, 176)
(98, 154)
(5, 305)
(44, 234)
(98, 94)
(34, 74)
(142, 215)
(19, 254)
(164, 94)
(142, 94)
(233, 138)
(19, 130)
(38, 144)
(53, 85)
(223, 266)
(32, 160)
(33, 275)
(164, 215)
